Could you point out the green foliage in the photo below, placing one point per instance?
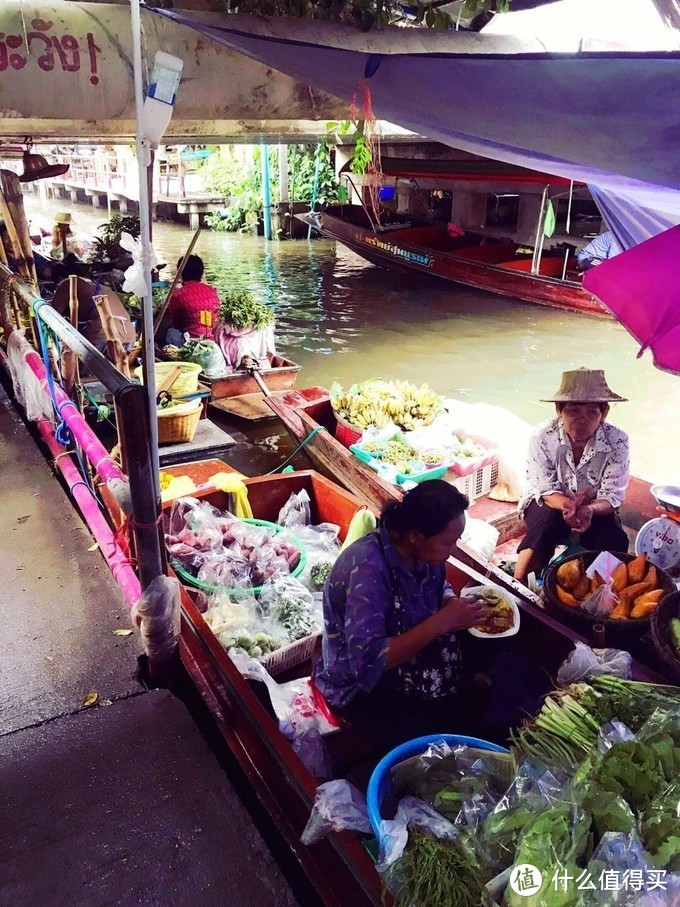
(230, 177)
(242, 311)
(107, 245)
(362, 150)
(363, 14)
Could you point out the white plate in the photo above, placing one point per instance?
(508, 597)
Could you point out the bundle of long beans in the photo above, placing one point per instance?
(566, 729)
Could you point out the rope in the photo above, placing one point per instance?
(62, 432)
(297, 450)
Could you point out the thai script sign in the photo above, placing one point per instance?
(419, 258)
(49, 50)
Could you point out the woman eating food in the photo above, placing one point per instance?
(577, 474)
(390, 661)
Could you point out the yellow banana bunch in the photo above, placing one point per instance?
(377, 403)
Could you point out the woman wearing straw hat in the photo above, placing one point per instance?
(577, 474)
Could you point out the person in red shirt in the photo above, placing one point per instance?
(194, 306)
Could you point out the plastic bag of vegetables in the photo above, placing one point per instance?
(323, 548)
(241, 625)
(286, 600)
(425, 860)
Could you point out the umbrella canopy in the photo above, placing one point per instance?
(641, 290)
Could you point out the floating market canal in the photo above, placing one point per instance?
(345, 320)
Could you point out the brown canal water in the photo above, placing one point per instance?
(343, 319)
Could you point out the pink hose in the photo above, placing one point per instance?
(94, 450)
(120, 566)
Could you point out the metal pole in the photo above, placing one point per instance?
(135, 437)
(539, 233)
(266, 193)
(571, 197)
(143, 160)
(315, 188)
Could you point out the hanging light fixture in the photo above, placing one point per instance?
(37, 168)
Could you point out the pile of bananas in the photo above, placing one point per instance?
(377, 403)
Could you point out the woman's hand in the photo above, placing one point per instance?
(462, 613)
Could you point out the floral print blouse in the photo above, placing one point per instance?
(369, 598)
(604, 465)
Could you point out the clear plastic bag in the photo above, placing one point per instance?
(584, 663)
(533, 790)
(157, 614)
(338, 806)
(292, 605)
(297, 510)
(660, 829)
(192, 527)
(323, 549)
(449, 778)
(27, 387)
(620, 873)
(601, 602)
(208, 355)
(241, 625)
(411, 813)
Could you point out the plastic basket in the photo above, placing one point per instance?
(178, 424)
(345, 432)
(379, 784)
(478, 483)
(185, 383)
(434, 472)
(191, 580)
(669, 608)
(291, 656)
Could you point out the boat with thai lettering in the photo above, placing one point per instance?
(474, 259)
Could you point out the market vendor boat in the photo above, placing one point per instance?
(339, 867)
(496, 265)
(308, 416)
(279, 376)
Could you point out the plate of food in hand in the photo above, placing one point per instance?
(503, 619)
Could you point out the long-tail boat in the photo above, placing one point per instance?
(497, 265)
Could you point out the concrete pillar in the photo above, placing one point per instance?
(343, 154)
(527, 217)
(194, 219)
(468, 209)
(74, 195)
(283, 173)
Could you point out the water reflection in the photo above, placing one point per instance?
(343, 319)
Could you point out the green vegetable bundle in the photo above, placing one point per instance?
(242, 311)
(433, 873)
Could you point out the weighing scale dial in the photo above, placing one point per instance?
(659, 539)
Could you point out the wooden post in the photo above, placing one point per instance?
(114, 347)
(69, 360)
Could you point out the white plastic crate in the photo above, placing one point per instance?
(479, 482)
(289, 656)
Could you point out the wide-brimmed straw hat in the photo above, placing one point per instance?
(63, 217)
(584, 385)
(37, 168)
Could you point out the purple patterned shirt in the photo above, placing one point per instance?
(370, 597)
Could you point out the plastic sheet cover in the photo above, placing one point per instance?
(606, 119)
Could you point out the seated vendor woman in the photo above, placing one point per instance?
(390, 660)
(577, 474)
(193, 307)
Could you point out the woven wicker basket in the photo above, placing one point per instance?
(179, 423)
(669, 607)
(185, 383)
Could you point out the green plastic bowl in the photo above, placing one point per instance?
(191, 580)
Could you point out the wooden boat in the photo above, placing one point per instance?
(498, 266)
(281, 375)
(308, 417)
(339, 868)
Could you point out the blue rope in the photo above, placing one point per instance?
(62, 432)
(297, 449)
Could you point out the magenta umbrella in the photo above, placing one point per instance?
(642, 290)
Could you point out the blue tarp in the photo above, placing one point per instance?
(611, 120)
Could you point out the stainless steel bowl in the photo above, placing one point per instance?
(668, 497)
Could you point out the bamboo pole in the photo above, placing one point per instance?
(14, 216)
(539, 232)
(175, 281)
(571, 198)
(69, 360)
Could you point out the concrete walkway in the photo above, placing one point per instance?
(121, 803)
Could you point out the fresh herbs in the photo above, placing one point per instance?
(431, 872)
(242, 311)
(320, 573)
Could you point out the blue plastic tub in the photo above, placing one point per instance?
(379, 785)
